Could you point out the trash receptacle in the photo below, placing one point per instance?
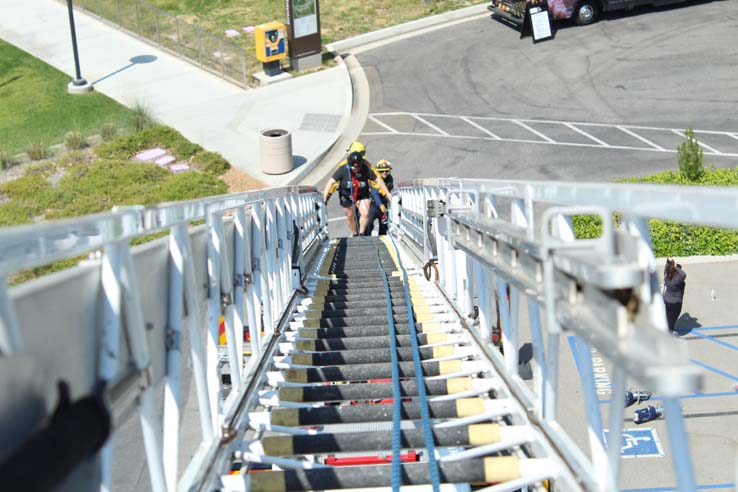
(275, 147)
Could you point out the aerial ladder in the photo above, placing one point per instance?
(347, 363)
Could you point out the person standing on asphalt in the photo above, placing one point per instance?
(674, 284)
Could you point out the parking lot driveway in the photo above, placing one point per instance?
(648, 71)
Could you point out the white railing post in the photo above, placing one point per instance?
(172, 399)
(10, 339)
(252, 301)
(539, 356)
(272, 232)
(230, 317)
(148, 407)
(110, 279)
(212, 357)
(196, 332)
(261, 280)
(239, 240)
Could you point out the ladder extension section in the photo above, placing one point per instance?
(326, 410)
(369, 362)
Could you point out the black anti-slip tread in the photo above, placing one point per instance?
(364, 391)
(359, 343)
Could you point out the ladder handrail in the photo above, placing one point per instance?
(149, 295)
(604, 291)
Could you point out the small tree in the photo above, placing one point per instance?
(690, 156)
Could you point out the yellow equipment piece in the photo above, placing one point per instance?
(271, 42)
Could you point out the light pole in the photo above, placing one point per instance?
(79, 85)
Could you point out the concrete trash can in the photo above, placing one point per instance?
(275, 148)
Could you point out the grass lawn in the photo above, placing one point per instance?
(340, 19)
(37, 108)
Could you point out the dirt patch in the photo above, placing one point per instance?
(239, 181)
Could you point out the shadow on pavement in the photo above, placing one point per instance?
(685, 324)
(136, 60)
(298, 160)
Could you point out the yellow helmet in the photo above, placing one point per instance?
(357, 147)
(384, 166)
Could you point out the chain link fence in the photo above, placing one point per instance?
(174, 35)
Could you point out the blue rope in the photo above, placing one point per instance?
(423, 399)
(396, 397)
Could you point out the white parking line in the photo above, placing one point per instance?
(604, 144)
(521, 140)
(532, 130)
(375, 120)
(468, 120)
(599, 141)
(639, 138)
(426, 122)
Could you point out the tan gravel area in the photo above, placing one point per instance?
(239, 181)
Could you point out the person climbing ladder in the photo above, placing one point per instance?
(353, 177)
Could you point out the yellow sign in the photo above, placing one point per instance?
(271, 42)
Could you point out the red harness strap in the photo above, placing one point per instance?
(355, 187)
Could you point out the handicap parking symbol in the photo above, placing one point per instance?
(639, 443)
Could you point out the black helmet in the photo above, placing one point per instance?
(355, 159)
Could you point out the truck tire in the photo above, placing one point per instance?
(586, 12)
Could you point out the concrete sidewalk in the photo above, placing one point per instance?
(204, 108)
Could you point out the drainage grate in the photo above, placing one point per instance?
(320, 122)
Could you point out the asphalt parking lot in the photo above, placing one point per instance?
(648, 71)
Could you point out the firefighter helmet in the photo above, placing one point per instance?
(358, 147)
(384, 166)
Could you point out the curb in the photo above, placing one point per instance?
(416, 25)
(310, 165)
(365, 39)
(696, 260)
(352, 126)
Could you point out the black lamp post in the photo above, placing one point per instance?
(79, 84)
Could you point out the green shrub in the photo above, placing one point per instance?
(710, 177)
(108, 132)
(42, 169)
(690, 156)
(30, 274)
(97, 187)
(190, 185)
(32, 193)
(125, 146)
(183, 148)
(6, 160)
(15, 213)
(73, 157)
(37, 151)
(25, 187)
(587, 226)
(74, 140)
(673, 239)
(141, 117)
(211, 163)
